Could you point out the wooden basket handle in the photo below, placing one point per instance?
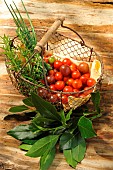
(40, 45)
(48, 34)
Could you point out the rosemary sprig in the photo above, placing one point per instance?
(27, 37)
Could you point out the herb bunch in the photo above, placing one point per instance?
(21, 57)
(27, 36)
(51, 129)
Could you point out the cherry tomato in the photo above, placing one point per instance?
(86, 92)
(68, 89)
(65, 70)
(76, 94)
(51, 72)
(84, 79)
(42, 81)
(87, 75)
(52, 87)
(64, 99)
(67, 61)
(82, 95)
(59, 85)
(45, 59)
(58, 76)
(76, 74)
(59, 96)
(50, 79)
(83, 67)
(51, 59)
(65, 79)
(42, 92)
(57, 64)
(69, 81)
(90, 82)
(49, 95)
(53, 98)
(77, 84)
(73, 67)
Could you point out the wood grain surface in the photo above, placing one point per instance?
(93, 20)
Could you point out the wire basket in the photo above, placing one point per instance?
(61, 46)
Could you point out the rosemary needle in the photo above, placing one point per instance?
(28, 37)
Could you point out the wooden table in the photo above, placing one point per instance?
(94, 22)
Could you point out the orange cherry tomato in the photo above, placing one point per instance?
(76, 74)
(67, 61)
(73, 67)
(91, 82)
(59, 85)
(77, 84)
(83, 67)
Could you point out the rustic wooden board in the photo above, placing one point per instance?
(94, 22)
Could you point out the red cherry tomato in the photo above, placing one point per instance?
(70, 81)
(87, 75)
(87, 91)
(76, 94)
(84, 79)
(83, 67)
(42, 81)
(82, 95)
(58, 76)
(50, 79)
(73, 67)
(53, 98)
(77, 84)
(42, 92)
(45, 59)
(65, 79)
(59, 85)
(67, 61)
(52, 87)
(57, 64)
(49, 95)
(68, 89)
(65, 70)
(59, 96)
(51, 72)
(90, 82)
(64, 99)
(76, 74)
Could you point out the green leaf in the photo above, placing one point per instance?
(43, 145)
(21, 132)
(18, 108)
(29, 141)
(47, 159)
(25, 147)
(69, 158)
(28, 102)
(67, 141)
(68, 115)
(42, 124)
(45, 108)
(85, 127)
(63, 120)
(42, 119)
(78, 152)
